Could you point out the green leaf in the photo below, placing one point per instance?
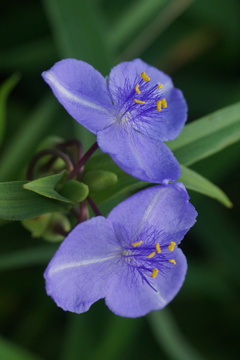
(207, 135)
(78, 31)
(132, 20)
(45, 186)
(5, 90)
(34, 256)
(17, 203)
(11, 351)
(170, 338)
(125, 183)
(164, 13)
(193, 181)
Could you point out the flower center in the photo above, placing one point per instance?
(142, 102)
(149, 260)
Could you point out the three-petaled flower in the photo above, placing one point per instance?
(131, 258)
(132, 113)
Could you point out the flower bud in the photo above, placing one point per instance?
(74, 190)
(51, 227)
(37, 225)
(57, 229)
(99, 180)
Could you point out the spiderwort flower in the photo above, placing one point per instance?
(132, 112)
(131, 258)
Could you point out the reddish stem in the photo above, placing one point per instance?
(82, 161)
(83, 213)
(93, 206)
(55, 153)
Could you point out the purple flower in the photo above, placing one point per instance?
(131, 258)
(131, 113)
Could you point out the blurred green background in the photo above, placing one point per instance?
(197, 43)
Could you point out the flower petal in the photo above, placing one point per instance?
(175, 116)
(79, 272)
(145, 159)
(131, 70)
(83, 92)
(130, 296)
(164, 208)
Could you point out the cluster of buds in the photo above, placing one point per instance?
(54, 156)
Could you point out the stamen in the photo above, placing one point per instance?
(164, 103)
(151, 255)
(139, 101)
(161, 103)
(154, 273)
(137, 89)
(145, 77)
(160, 86)
(172, 261)
(137, 243)
(171, 246)
(158, 249)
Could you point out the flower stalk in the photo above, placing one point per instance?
(77, 168)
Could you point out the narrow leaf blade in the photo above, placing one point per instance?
(78, 32)
(170, 338)
(11, 351)
(5, 90)
(39, 255)
(196, 182)
(131, 21)
(207, 135)
(17, 203)
(45, 186)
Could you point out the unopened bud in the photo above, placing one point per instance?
(57, 229)
(99, 180)
(74, 190)
(37, 225)
(51, 227)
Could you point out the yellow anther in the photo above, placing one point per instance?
(137, 89)
(139, 101)
(158, 249)
(154, 273)
(151, 255)
(160, 86)
(137, 243)
(159, 105)
(164, 103)
(172, 261)
(171, 246)
(145, 76)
